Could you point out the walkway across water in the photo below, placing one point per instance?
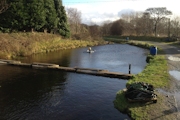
(91, 71)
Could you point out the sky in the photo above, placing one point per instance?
(98, 11)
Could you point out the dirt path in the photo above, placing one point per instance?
(171, 95)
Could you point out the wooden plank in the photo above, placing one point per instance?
(21, 64)
(9, 61)
(106, 74)
(43, 65)
(68, 69)
(91, 71)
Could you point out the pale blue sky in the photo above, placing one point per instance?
(96, 11)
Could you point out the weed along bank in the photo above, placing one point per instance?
(140, 99)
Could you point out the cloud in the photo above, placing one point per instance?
(125, 11)
(98, 18)
(97, 12)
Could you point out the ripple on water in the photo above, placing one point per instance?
(175, 74)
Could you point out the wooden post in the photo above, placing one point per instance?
(129, 68)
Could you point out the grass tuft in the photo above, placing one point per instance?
(26, 44)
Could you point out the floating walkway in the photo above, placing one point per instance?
(97, 72)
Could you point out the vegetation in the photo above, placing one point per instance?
(3, 6)
(25, 44)
(156, 74)
(133, 24)
(157, 14)
(62, 26)
(48, 17)
(139, 38)
(35, 15)
(116, 28)
(153, 21)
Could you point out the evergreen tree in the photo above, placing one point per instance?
(62, 26)
(35, 9)
(24, 15)
(51, 16)
(35, 15)
(15, 17)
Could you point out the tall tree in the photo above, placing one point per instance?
(106, 28)
(94, 31)
(158, 14)
(36, 14)
(50, 15)
(117, 28)
(74, 19)
(62, 25)
(147, 24)
(14, 18)
(175, 26)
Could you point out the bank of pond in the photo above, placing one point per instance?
(155, 73)
(26, 44)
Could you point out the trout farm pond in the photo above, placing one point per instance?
(39, 94)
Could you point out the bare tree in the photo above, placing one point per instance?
(95, 31)
(117, 28)
(105, 28)
(175, 26)
(144, 24)
(74, 19)
(158, 14)
(3, 6)
(132, 23)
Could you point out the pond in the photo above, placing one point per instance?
(36, 94)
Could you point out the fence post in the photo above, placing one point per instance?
(129, 68)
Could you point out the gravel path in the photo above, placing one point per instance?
(172, 94)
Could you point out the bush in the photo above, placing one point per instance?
(149, 57)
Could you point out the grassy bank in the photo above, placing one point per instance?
(155, 73)
(139, 38)
(122, 39)
(25, 44)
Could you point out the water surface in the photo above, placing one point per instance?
(35, 94)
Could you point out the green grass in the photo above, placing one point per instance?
(135, 110)
(155, 73)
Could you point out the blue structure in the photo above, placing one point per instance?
(153, 50)
(127, 38)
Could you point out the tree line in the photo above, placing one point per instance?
(151, 22)
(34, 15)
(51, 16)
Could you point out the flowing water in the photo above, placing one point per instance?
(34, 94)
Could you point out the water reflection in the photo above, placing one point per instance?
(42, 94)
(22, 93)
(111, 57)
(61, 57)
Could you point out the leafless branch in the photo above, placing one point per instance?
(3, 6)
